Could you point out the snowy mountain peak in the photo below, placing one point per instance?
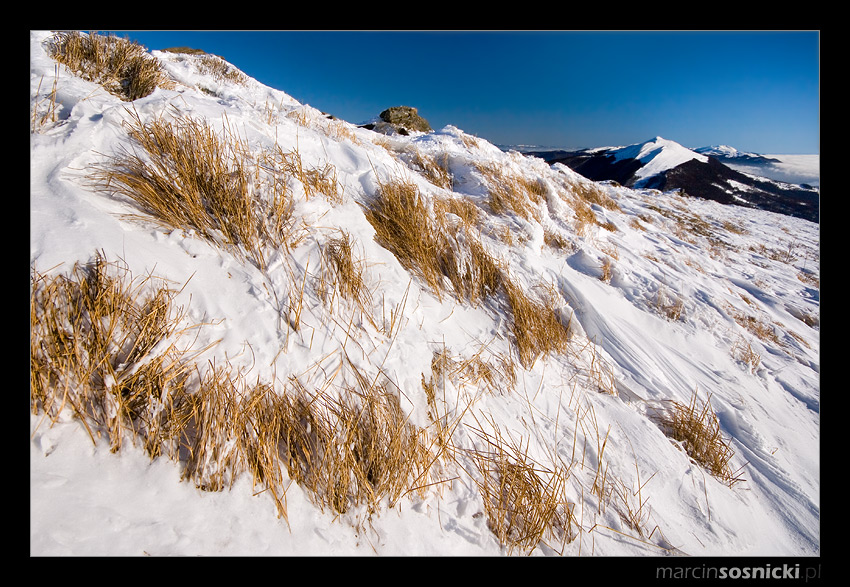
(657, 155)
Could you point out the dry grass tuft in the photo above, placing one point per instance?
(468, 212)
(426, 245)
(495, 374)
(354, 449)
(122, 67)
(594, 194)
(320, 180)
(697, 430)
(524, 501)
(668, 305)
(448, 259)
(403, 225)
(760, 328)
(43, 114)
(607, 270)
(106, 347)
(513, 193)
(221, 70)
(435, 169)
(343, 272)
(187, 176)
(536, 325)
(744, 352)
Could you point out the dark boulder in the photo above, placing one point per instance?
(399, 120)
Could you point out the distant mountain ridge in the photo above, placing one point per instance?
(665, 165)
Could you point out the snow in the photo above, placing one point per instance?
(88, 501)
(657, 155)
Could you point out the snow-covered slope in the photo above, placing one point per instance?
(663, 295)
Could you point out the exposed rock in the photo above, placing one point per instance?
(399, 120)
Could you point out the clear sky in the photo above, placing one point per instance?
(757, 91)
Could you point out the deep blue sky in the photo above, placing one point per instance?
(756, 91)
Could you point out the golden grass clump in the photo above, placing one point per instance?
(343, 272)
(106, 347)
(536, 325)
(319, 180)
(434, 252)
(221, 70)
(510, 192)
(44, 109)
(743, 351)
(524, 501)
(353, 449)
(697, 430)
(669, 306)
(122, 67)
(187, 176)
(435, 169)
(594, 194)
(585, 216)
(426, 245)
(760, 328)
(607, 269)
(403, 225)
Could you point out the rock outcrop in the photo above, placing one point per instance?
(399, 120)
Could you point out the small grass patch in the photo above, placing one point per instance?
(696, 429)
(434, 168)
(668, 305)
(343, 272)
(122, 67)
(512, 193)
(536, 326)
(186, 175)
(44, 108)
(523, 500)
(354, 448)
(105, 346)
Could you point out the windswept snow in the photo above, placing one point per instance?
(690, 279)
